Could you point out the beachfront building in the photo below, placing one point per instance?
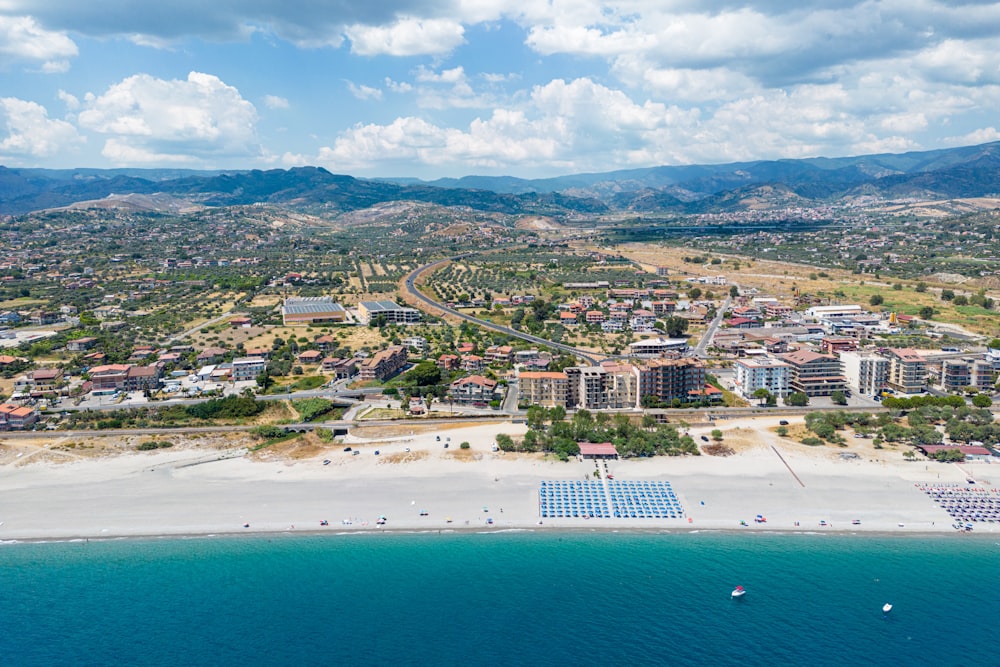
(143, 378)
(957, 374)
(545, 388)
(16, 417)
(814, 374)
(658, 347)
(669, 379)
(311, 310)
(907, 371)
(390, 310)
(383, 364)
(247, 368)
(472, 390)
(866, 373)
(108, 379)
(611, 386)
(764, 373)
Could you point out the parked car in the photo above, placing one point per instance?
(783, 422)
(705, 438)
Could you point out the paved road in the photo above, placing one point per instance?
(699, 349)
(420, 296)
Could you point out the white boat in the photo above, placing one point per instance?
(886, 608)
(739, 592)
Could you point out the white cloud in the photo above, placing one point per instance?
(198, 120)
(32, 134)
(406, 37)
(980, 136)
(363, 92)
(275, 102)
(71, 101)
(22, 38)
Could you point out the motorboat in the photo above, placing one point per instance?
(886, 608)
(739, 592)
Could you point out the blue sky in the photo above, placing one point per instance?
(455, 87)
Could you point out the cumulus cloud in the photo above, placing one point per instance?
(31, 133)
(275, 102)
(398, 27)
(196, 120)
(406, 37)
(363, 92)
(23, 39)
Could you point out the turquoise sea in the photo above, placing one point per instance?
(502, 599)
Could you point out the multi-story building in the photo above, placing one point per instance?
(656, 347)
(109, 378)
(957, 374)
(383, 364)
(16, 417)
(866, 374)
(499, 354)
(341, 368)
(764, 373)
(610, 386)
(907, 371)
(142, 378)
(390, 310)
(248, 368)
(544, 388)
(814, 374)
(667, 379)
(473, 389)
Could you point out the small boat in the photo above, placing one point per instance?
(886, 608)
(324, 522)
(739, 592)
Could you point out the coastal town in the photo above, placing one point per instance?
(538, 361)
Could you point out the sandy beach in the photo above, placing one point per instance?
(418, 484)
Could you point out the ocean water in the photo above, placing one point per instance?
(502, 599)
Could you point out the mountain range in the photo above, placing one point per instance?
(969, 171)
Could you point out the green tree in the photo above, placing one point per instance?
(921, 287)
(674, 326)
(838, 398)
(762, 395)
(982, 401)
(876, 300)
(424, 374)
(716, 435)
(926, 313)
(505, 442)
(797, 399)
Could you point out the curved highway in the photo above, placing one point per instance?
(420, 296)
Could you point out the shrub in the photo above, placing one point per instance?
(464, 445)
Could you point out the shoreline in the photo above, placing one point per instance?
(193, 492)
(509, 530)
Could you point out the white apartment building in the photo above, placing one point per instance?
(867, 373)
(767, 373)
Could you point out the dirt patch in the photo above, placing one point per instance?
(404, 457)
(718, 450)
(466, 455)
(410, 428)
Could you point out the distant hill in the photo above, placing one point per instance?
(969, 171)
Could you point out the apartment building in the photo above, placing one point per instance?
(383, 364)
(814, 374)
(544, 388)
(764, 373)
